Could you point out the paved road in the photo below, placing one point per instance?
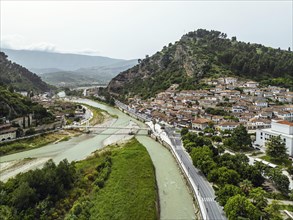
(214, 211)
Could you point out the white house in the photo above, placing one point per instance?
(230, 80)
(282, 128)
(258, 123)
(200, 123)
(261, 103)
(238, 109)
(251, 84)
(227, 125)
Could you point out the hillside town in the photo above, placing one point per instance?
(227, 103)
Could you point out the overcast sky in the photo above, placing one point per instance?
(132, 29)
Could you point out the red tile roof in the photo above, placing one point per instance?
(285, 123)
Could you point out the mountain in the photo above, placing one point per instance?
(39, 60)
(18, 77)
(200, 54)
(69, 69)
(87, 76)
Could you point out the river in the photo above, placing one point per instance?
(175, 200)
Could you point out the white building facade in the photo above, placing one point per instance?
(282, 128)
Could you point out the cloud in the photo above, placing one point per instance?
(42, 46)
(11, 41)
(18, 42)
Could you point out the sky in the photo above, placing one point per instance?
(133, 29)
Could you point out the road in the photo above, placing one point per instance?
(207, 194)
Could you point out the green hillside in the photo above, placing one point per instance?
(18, 77)
(201, 54)
(13, 105)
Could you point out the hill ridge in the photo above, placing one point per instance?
(200, 54)
(18, 77)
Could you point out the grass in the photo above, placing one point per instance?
(99, 115)
(31, 143)
(285, 162)
(129, 192)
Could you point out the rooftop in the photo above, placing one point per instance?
(285, 123)
(201, 121)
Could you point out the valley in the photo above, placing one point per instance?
(167, 124)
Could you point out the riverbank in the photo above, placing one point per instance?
(12, 168)
(36, 142)
(124, 192)
(109, 184)
(175, 199)
(98, 116)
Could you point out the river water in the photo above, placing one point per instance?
(175, 200)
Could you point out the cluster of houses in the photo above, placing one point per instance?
(242, 102)
(11, 129)
(245, 102)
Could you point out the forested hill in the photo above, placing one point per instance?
(13, 105)
(201, 54)
(21, 79)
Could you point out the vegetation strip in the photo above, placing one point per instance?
(116, 183)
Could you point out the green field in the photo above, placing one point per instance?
(120, 183)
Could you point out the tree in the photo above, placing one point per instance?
(240, 139)
(223, 175)
(246, 186)
(252, 173)
(202, 159)
(23, 197)
(276, 148)
(273, 211)
(239, 206)
(227, 191)
(290, 170)
(189, 146)
(281, 181)
(184, 131)
(217, 139)
(258, 198)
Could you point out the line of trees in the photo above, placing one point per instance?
(238, 184)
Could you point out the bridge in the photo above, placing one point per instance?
(103, 127)
(124, 130)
